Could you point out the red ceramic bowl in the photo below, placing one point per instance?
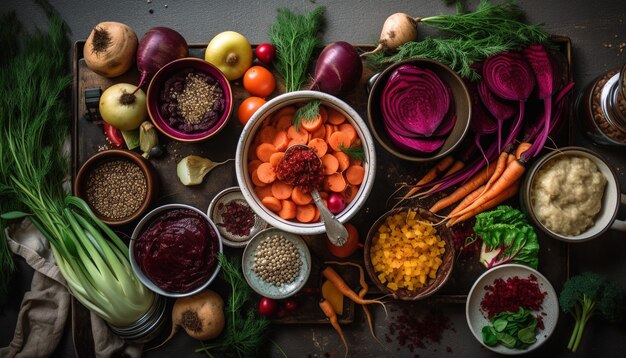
(157, 83)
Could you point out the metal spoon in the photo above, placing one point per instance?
(336, 232)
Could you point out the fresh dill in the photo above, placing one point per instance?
(306, 113)
(471, 37)
(355, 151)
(245, 332)
(295, 38)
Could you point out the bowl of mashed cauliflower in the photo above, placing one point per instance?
(572, 194)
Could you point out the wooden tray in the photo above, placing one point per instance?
(87, 139)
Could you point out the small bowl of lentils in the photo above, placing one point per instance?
(276, 264)
(117, 184)
(189, 100)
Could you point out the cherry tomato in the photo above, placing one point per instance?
(349, 247)
(267, 306)
(265, 53)
(259, 81)
(248, 107)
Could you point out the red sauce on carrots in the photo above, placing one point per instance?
(301, 167)
(178, 251)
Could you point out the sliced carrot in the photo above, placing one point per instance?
(330, 164)
(335, 182)
(299, 133)
(267, 134)
(355, 174)
(319, 133)
(281, 190)
(266, 173)
(344, 160)
(316, 218)
(283, 122)
(319, 146)
(300, 197)
(305, 213)
(287, 210)
(356, 161)
(264, 151)
(253, 164)
(276, 158)
(263, 191)
(324, 113)
(350, 193)
(312, 124)
(329, 130)
(339, 139)
(349, 130)
(252, 152)
(280, 141)
(335, 117)
(255, 178)
(285, 111)
(272, 203)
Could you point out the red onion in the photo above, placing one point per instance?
(338, 68)
(158, 47)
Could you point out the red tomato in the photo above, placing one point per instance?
(248, 107)
(265, 53)
(259, 81)
(349, 247)
(267, 306)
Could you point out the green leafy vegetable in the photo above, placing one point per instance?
(585, 295)
(306, 113)
(355, 151)
(514, 330)
(472, 37)
(34, 124)
(245, 332)
(295, 37)
(507, 237)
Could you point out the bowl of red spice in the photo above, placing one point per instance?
(174, 250)
(117, 184)
(234, 218)
(339, 140)
(512, 309)
(189, 100)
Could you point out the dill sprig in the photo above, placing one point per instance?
(471, 37)
(306, 113)
(245, 331)
(295, 38)
(355, 151)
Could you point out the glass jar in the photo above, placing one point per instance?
(603, 108)
(147, 326)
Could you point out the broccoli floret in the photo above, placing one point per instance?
(585, 295)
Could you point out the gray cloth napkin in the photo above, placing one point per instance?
(46, 306)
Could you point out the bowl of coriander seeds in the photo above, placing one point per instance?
(276, 264)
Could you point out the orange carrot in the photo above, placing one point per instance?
(329, 130)
(509, 177)
(335, 182)
(329, 312)
(253, 164)
(264, 151)
(430, 175)
(330, 164)
(319, 133)
(283, 122)
(266, 173)
(287, 210)
(281, 190)
(503, 161)
(339, 139)
(255, 178)
(521, 149)
(299, 197)
(276, 158)
(319, 146)
(468, 199)
(349, 193)
(252, 153)
(355, 174)
(335, 117)
(331, 275)
(458, 165)
(305, 213)
(349, 130)
(280, 141)
(301, 135)
(507, 193)
(344, 160)
(465, 189)
(263, 191)
(272, 203)
(267, 134)
(284, 112)
(312, 124)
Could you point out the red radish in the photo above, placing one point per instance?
(265, 52)
(336, 203)
(338, 69)
(158, 47)
(267, 306)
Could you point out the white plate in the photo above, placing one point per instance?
(267, 289)
(476, 319)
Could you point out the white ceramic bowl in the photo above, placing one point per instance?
(247, 138)
(610, 200)
(476, 319)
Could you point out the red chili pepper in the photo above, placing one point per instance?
(113, 136)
